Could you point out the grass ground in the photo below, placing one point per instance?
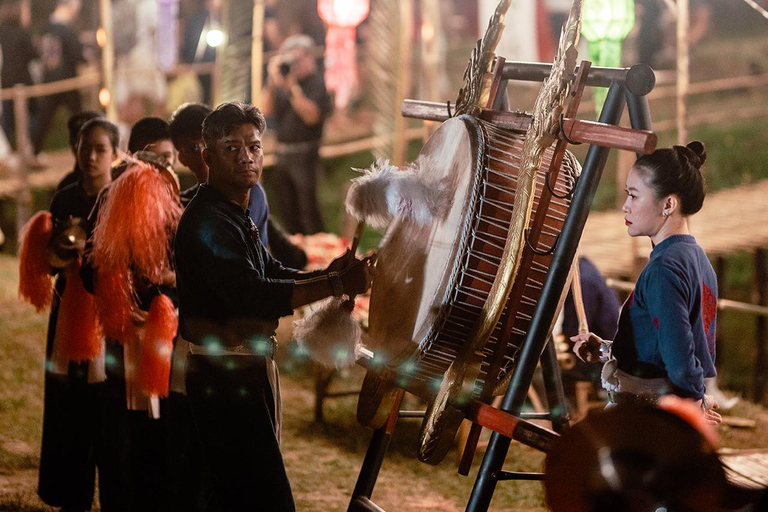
(322, 459)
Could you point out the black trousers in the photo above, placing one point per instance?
(234, 410)
(188, 483)
(70, 427)
(81, 432)
(294, 183)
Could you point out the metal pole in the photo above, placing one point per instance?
(584, 193)
(553, 385)
(374, 458)
(639, 112)
(639, 78)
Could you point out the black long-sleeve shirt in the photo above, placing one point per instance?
(230, 288)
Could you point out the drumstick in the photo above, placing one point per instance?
(358, 234)
(578, 299)
(350, 302)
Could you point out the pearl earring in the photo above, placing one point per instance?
(665, 214)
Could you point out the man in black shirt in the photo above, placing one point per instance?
(296, 98)
(231, 295)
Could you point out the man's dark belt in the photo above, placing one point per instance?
(265, 347)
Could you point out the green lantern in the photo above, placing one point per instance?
(605, 24)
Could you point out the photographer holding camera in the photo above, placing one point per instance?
(297, 102)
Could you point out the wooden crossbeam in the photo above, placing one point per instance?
(573, 130)
(511, 426)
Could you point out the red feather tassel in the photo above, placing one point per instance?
(35, 283)
(153, 376)
(144, 214)
(115, 303)
(78, 335)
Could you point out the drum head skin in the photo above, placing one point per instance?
(633, 458)
(416, 264)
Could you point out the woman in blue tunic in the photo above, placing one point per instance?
(665, 341)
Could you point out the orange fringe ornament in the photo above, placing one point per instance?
(35, 282)
(154, 371)
(142, 211)
(115, 303)
(78, 334)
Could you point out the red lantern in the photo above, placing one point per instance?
(342, 17)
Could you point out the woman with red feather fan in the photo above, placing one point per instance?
(134, 284)
(52, 244)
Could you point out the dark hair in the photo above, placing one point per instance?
(106, 125)
(146, 131)
(75, 122)
(677, 170)
(187, 123)
(227, 116)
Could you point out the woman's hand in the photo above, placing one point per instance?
(587, 347)
(708, 405)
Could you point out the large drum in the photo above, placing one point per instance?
(433, 281)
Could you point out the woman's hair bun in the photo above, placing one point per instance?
(697, 147)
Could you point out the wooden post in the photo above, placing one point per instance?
(108, 59)
(721, 269)
(24, 150)
(400, 152)
(683, 78)
(257, 52)
(431, 56)
(761, 298)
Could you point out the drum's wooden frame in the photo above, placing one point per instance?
(626, 86)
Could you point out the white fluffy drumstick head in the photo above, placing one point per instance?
(367, 196)
(384, 192)
(416, 197)
(329, 333)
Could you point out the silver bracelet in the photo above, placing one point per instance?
(337, 285)
(605, 351)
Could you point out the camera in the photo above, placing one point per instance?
(285, 67)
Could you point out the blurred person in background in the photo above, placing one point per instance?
(61, 53)
(17, 54)
(186, 126)
(297, 102)
(153, 134)
(601, 307)
(140, 85)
